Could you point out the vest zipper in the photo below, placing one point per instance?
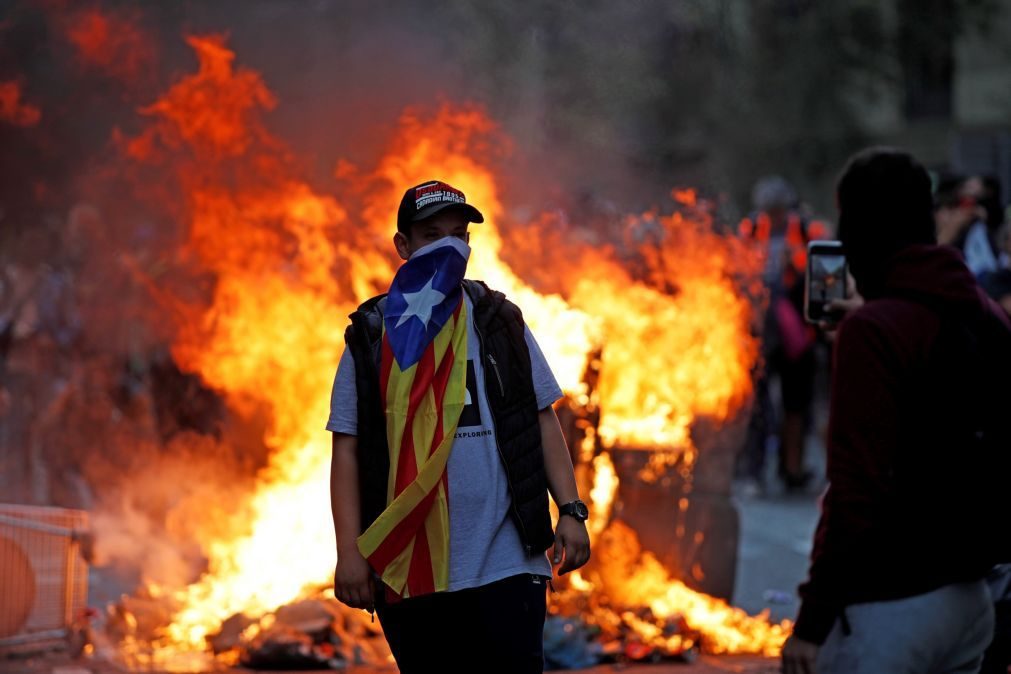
(494, 366)
(494, 429)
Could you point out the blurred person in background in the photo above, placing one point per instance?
(970, 217)
(952, 213)
(916, 447)
(788, 344)
(998, 283)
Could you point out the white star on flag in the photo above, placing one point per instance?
(421, 303)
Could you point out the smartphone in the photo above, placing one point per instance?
(824, 281)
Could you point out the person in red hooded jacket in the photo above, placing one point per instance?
(896, 582)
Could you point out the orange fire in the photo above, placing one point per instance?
(627, 579)
(13, 109)
(290, 263)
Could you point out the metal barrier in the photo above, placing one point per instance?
(43, 573)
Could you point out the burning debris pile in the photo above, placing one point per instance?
(639, 611)
(315, 632)
(647, 335)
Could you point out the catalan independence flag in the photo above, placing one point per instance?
(423, 379)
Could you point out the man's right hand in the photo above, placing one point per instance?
(799, 656)
(841, 308)
(352, 580)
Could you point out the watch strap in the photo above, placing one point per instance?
(572, 509)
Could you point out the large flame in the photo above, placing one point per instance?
(290, 263)
(629, 579)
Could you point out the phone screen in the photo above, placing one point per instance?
(826, 281)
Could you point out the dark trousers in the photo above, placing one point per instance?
(497, 627)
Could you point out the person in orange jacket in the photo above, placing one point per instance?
(783, 232)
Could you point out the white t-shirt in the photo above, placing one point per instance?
(484, 545)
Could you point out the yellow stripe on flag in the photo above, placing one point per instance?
(398, 389)
(437, 530)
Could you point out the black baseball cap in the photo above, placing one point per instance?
(425, 200)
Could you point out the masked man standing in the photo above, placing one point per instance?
(445, 446)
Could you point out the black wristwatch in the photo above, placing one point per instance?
(575, 509)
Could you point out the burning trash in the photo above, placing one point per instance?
(311, 633)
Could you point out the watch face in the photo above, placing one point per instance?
(582, 512)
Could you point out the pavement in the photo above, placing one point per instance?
(705, 665)
(772, 557)
(776, 534)
(777, 529)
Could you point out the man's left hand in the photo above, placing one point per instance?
(799, 656)
(572, 539)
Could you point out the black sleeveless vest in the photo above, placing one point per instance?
(510, 391)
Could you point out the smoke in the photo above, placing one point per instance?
(162, 512)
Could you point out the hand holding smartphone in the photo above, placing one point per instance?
(825, 281)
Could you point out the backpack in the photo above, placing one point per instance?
(958, 466)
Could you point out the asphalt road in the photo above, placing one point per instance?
(776, 534)
(772, 558)
(705, 665)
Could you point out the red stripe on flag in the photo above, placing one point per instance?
(421, 575)
(407, 463)
(422, 379)
(439, 384)
(407, 466)
(400, 535)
